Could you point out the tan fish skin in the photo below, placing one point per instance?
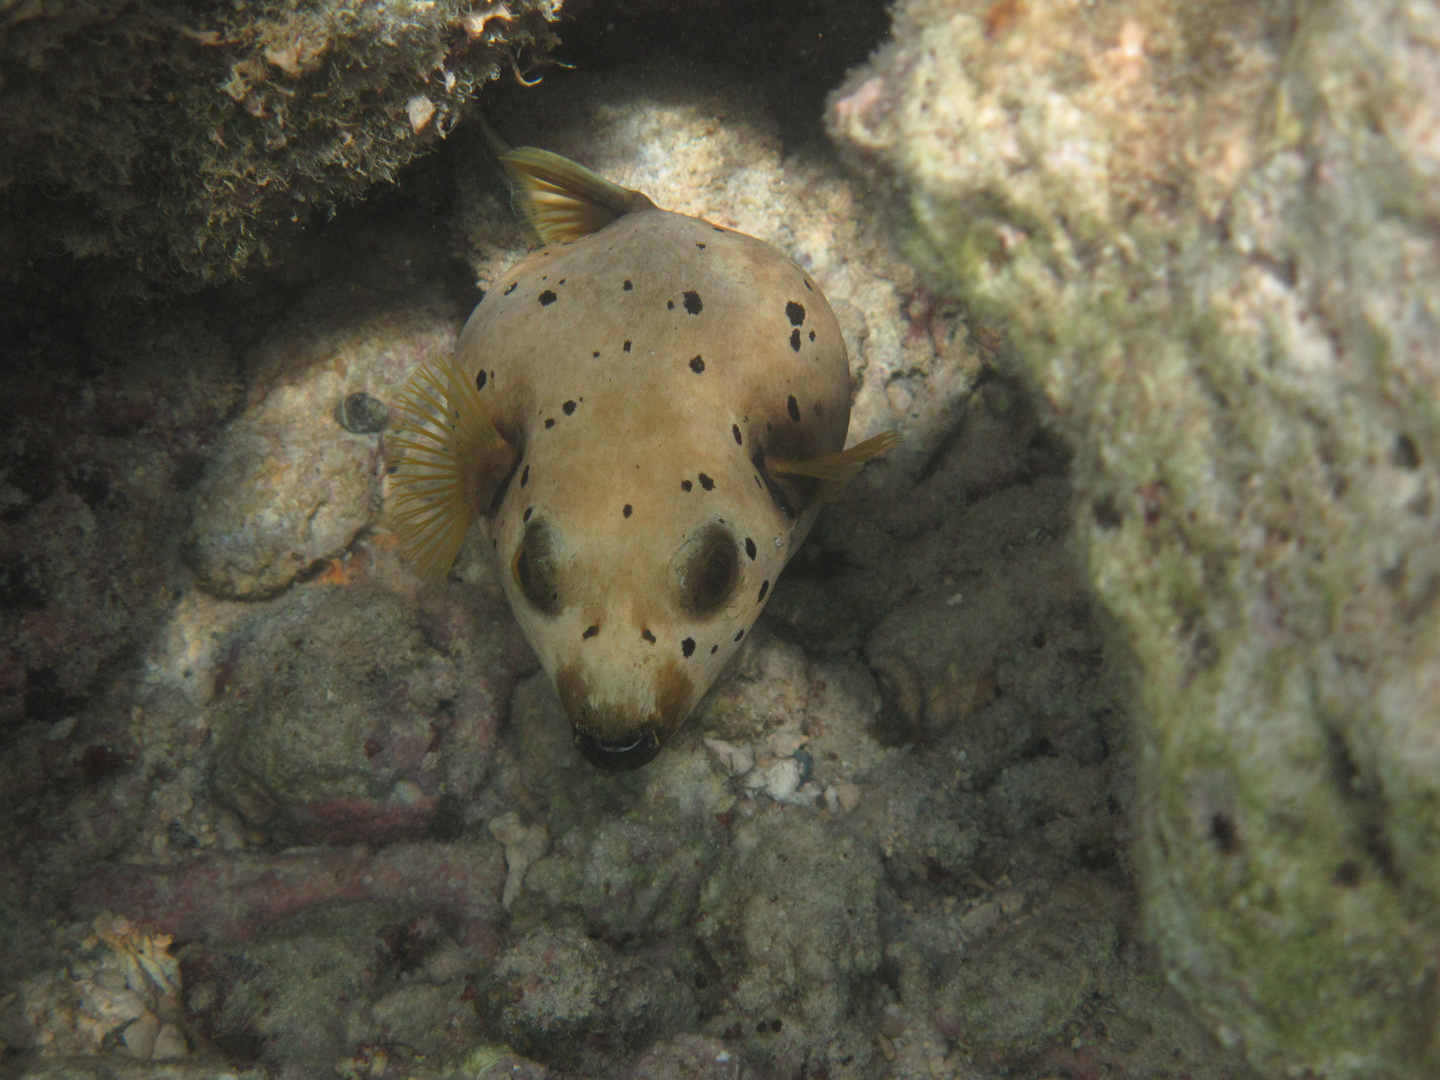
(676, 395)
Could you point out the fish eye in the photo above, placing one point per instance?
(534, 568)
(708, 570)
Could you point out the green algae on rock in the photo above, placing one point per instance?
(166, 141)
(1207, 235)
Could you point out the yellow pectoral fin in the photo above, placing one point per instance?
(448, 460)
(558, 200)
(833, 470)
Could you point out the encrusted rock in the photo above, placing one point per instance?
(1206, 236)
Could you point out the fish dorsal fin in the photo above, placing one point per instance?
(833, 470)
(448, 462)
(558, 200)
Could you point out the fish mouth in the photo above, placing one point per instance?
(625, 754)
(618, 737)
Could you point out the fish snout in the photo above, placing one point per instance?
(620, 736)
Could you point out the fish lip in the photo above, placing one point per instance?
(617, 755)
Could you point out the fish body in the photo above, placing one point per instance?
(668, 402)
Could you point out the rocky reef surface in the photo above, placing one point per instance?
(159, 145)
(1207, 233)
(1156, 550)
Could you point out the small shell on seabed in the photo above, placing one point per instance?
(362, 414)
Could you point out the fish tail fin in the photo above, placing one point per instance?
(448, 462)
(833, 470)
(558, 200)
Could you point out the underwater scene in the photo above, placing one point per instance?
(717, 539)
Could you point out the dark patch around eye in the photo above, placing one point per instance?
(547, 298)
(795, 340)
(534, 569)
(628, 510)
(627, 346)
(511, 289)
(528, 511)
(685, 485)
(697, 365)
(480, 380)
(688, 647)
(670, 305)
(764, 588)
(525, 476)
(793, 408)
(645, 635)
(735, 430)
(550, 422)
(692, 302)
(706, 482)
(739, 634)
(590, 631)
(569, 408)
(795, 312)
(750, 545)
(627, 286)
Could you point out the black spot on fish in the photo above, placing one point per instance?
(697, 365)
(764, 588)
(795, 312)
(590, 631)
(628, 510)
(528, 511)
(738, 635)
(692, 302)
(560, 282)
(714, 649)
(688, 647)
(808, 286)
(670, 305)
(595, 355)
(812, 335)
(735, 430)
(758, 484)
(480, 380)
(645, 635)
(699, 245)
(685, 485)
(525, 476)
(569, 408)
(627, 346)
(793, 408)
(717, 228)
(627, 286)
(511, 289)
(550, 422)
(547, 298)
(795, 340)
(706, 482)
(750, 548)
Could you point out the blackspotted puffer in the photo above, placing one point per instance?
(645, 416)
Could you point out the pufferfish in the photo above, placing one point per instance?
(645, 416)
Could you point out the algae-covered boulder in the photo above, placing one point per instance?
(164, 140)
(1207, 235)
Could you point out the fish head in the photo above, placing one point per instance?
(635, 581)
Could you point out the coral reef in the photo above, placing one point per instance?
(167, 141)
(1206, 235)
(893, 841)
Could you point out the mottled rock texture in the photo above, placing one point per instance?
(164, 142)
(1206, 233)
